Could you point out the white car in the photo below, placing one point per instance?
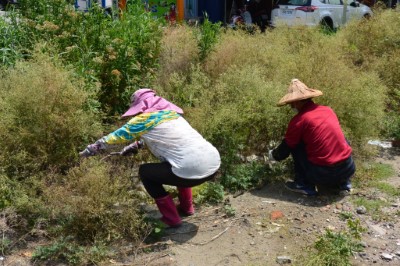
(328, 13)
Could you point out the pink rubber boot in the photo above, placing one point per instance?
(169, 212)
(185, 201)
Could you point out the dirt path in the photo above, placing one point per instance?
(257, 235)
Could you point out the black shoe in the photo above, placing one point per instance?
(345, 188)
(306, 190)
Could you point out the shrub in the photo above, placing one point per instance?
(7, 191)
(373, 45)
(271, 60)
(188, 90)
(244, 176)
(45, 118)
(231, 97)
(95, 202)
(65, 249)
(392, 125)
(209, 192)
(120, 53)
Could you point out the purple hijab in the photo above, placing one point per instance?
(146, 101)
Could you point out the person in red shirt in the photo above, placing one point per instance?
(320, 151)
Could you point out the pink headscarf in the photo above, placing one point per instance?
(146, 101)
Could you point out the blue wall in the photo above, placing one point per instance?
(214, 8)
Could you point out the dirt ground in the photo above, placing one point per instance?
(269, 224)
(257, 235)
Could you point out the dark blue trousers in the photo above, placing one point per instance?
(307, 173)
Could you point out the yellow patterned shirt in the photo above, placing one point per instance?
(139, 125)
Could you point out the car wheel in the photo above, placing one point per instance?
(367, 16)
(326, 24)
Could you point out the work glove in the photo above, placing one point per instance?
(90, 150)
(271, 157)
(132, 149)
(94, 149)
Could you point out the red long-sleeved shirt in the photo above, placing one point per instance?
(318, 128)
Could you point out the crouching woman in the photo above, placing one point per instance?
(186, 158)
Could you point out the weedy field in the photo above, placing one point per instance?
(67, 77)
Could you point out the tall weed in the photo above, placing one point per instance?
(207, 36)
(14, 39)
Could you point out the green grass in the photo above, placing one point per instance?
(373, 207)
(372, 177)
(336, 248)
(386, 188)
(382, 171)
(345, 215)
(370, 174)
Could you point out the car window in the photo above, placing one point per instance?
(294, 2)
(334, 2)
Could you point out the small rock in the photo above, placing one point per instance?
(331, 227)
(386, 256)
(283, 259)
(378, 230)
(346, 208)
(361, 210)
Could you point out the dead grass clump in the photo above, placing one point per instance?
(95, 202)
(229, 51)
(45, 117)
(179, 51)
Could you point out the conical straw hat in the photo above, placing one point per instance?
(298, 91)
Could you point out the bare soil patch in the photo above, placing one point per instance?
(256, 235)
